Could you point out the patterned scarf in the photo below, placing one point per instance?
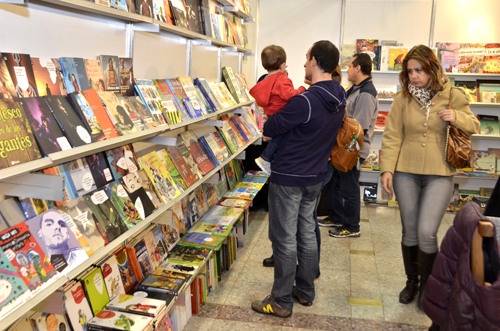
(423, 95)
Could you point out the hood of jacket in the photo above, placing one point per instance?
(331, 94)
(262, 90)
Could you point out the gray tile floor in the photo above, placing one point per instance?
(345, 272)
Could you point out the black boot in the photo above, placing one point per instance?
(269, 262)
(410, 257)
(425, 264)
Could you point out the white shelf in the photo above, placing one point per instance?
(237, 11)
(11, 316)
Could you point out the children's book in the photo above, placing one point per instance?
(115, 320)
(141, 259)
(122, 203)
(128, 277)
(188, 255)
(470, 87)
(371, 47)
(491, 58)
(213, 229)
(49, 322)
(162, 284)
(95, 288)
(242, 193)
(11, 281)
(180, 163)
(396, 56)
(159, 176)
(137, 305)
(448, 55)
(203, 239)
(235, 203)
(77, 307)
(471, 58)
(150, 97)
(484, 162)
(164, 155)
(112, 277)
(175, 109)
(489, 125)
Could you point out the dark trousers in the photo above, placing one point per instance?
(344, 198)
(270, 150)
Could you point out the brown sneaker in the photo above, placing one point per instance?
(269, 306)
(295, 294)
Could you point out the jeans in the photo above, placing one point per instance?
(292, 233)
(344, 198)
(326, 179)
(422, 201)
(270, 150)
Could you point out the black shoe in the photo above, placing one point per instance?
(295, 294)
(269, 262)
(327, 223)
(425, 264)
(410, 256)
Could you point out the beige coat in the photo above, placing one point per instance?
(413, 144)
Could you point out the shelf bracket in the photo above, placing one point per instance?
(230, 49)
(201, 42)
(15, 2)
(147, 27)
(164, 141)
(38, 186)
(241, 156)
(211, 123)
(249, 20)
(240, 111)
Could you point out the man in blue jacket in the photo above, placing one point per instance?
(308, 124)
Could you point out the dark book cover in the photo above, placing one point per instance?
(162, 284)
(188, 158)
(68, 120)
(138, 195)
(142, 112)
(125, 207)
(108, 218)
(100, 114)
(70, 74)
(86, 114)
(141, 178)
(206, 24)
(80, 176)
(179, 12)
(47, 132)
(110, 72)
(193, 15)
(117, 162)
(145, 8)
(82, 74)
(99, 169)
(143, 260)
(201, 158)
(21, 73)
(126, 76)
(181, 165)
(45, 76)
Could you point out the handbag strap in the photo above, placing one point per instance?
(451, 97)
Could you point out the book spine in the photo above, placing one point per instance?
(209, 151)
(239, 129)
(206, 95)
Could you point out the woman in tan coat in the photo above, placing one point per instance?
(413, 156)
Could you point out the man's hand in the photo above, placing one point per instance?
(266, 138)
(448, 115)
(386, 182)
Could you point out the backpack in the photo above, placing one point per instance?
(342, 159)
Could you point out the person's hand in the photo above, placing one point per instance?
(386, 182)
(448, 115)
(266, 138)
(307, 81)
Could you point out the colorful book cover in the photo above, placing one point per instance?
(386, 91)
(227, 95)
(144, 115)
(242, 193)
(47, 132)
(207, 92)
(492, 58)
(100, 114)
(484, 162)
(171, 108)
(159, 10)
(230, 137)
(448, 55)
(26, 255)
(128, 277)
(94, 74)
(113, 320)
(125, 207)
(21, 73)
(145, 8)
(470, 87)
(143, 203)
(161, 242)
(181, 165)
(112, 277)
(141, 178)
(163, 284)
(172, 169)
(96, 291)
(235, 203)
(45, 76)
(143, 259)
(57, 240)
(208, 240)
(489, 125)
(153, 253)
(181, 98)
(137, 305)
(179, 13)
(110, 72)
(77, 307)
(70, 73)
(203, 100)
(213, 229)
(231, 178)
(118, 114)
(218, 95)
(86, 114)
(488, 91)
(471, 58)
(60, 76)
(159, 176)
(188, 158)
(381, 120)
(139, 124)
(201, 158)
(188, 255)
(49, 322)
(12, 283)
(177, 224)
(78, 212)
(126, 76)
(194, 105)
(222, 146)
(371, 47)
(254, 179)
(151, 98)
(109, 222)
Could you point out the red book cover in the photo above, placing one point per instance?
(240, 137)
(181, 165)
(45, 76)
(381, 120)
(100, 113)
(134, 263)
(243, 126)
(193, 298)
(22, 75)
(201, 158)
(26, 255)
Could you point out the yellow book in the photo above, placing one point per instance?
(159, 176)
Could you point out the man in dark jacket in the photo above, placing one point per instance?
(308, 124)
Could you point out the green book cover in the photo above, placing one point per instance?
(96, 290)
(121, 201)
(213, 229)
(489, 125)
(172, 170)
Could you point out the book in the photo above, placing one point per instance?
(141, 177)
(153, 253)
(94, 74)
(133, 114)
(126, 76)
(471, 58)
(56, 240)
(161, 240)
(162, 284)
(254, 179)
(207, 93)
(242, 193)
(110, 72)
(70, 74)
(188, 255)
(12, 283)
(96, 291)
(21, 74)
(80, 176)
(45, 74)
(206, 24)
(448, 56)
(143, 203)
(86, 114)
(201, 158)
(226, 94)
(69, 122)
(188, 158)
(193, 15)
(122, 203)
(179, 214)
(235, 203)
(218, 95)
(386, 91)
(492, 58)
(172, 169)
(488, 125)
(179, 12)
(371, 47)
(17, 141)
(180, 163)
(77, 307)
(109, 222)
(108, 320)
(151, 99)
(32, 207)
(60, 76)
(485, 191)
(213, 229)
(98, 165)
(140, 259)
(232, 85)
(26, 255)
(137, 305)
(179, 267)
(100, 114)
(488, 91)
(381, 120)
(78, 212)
(171, 108)
(372, 160)
(128, 277)
(112, 277)
(193, 103)
(47, 321)
(484, 162)
(470, 87)
(181, 98)
(117, 113)
(142, 111)
(159, 176)
(203, 239)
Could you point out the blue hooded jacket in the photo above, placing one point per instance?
(309, 124)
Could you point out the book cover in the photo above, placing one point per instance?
(122, 203)
(172, 169)
(203, 239)
(77, 307)
(11, 282)
(117, 113)
(159, 176)
(470, 87)
(94, 74)
(86, 114)
(144, 115)
(201, 158)
(181, 97)
(109, 222)
(70, 74)
(221, 99)
(471, 58)
(231, 180)
(26, 255)
(143, 203)
(202, 201)
(114, 320)
(21, 73)
(213, 229)
(226, 94)
(128, 277)
(160, 242)
(145, 8)
(235, 203)
(151, 98)
(153, 252)
(57, 241)
(192, 211)
(179, 268)
(159, 11)
(47, 132)
(142, 259)
(80, 176)
(178, 224)
(384, 57)
(381, 120)
(179, 11)
(112, 277)
(110, 72)
(207, 93)
(126, 76)
(221, 145)
(82, 74)
(484, 162)
(188, 158)
(69, 122)
(182, 166)
(32, 207)
(60, 76)
(193, 15)
(137, 305)
(204, 103)
(171, 108)
(492, 58)
(95, 288)
(163, 284)
(188, 255)
(139, 124)
(233, 212)
(449, 55)
(488, 91)
(122, 161)
(371, 47)
(242, 193)
(49, 321)
(231, 139)
(142, 178)
(196, 107)
(488, 125)
(386, 91)
(45, 76)
(372, 160)
(78, 212)
(485, 191)
(99, 169)
(100, 114)
(244, 127)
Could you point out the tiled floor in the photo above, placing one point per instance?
(368, 267)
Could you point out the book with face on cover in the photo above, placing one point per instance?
(49, 322)
(138, 195)
(110, 72)
(139, 124)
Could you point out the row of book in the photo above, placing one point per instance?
(151, 266)
(388, 55)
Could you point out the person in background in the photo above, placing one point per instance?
(343, 197)
(272, 93)
(412, 157)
